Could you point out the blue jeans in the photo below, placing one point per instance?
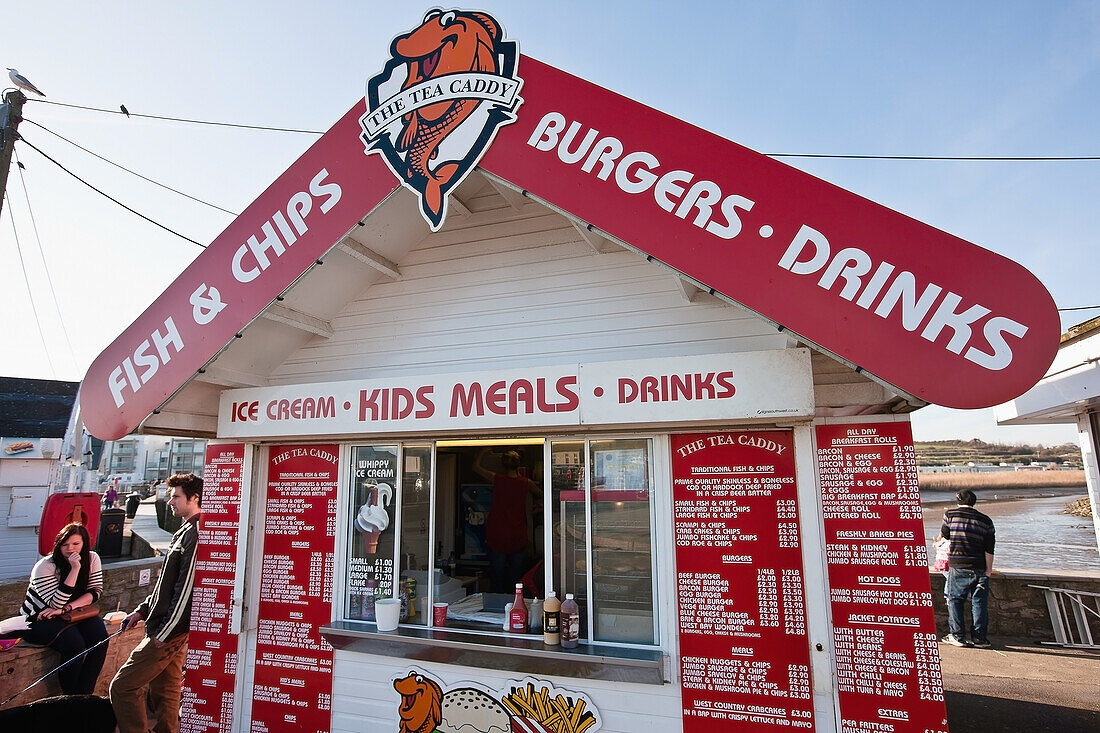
(963, 585)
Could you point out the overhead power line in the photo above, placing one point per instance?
(133, 173)
(42, 256)
(983, 158)
(1082, 308)
(182, 119)
(840, 156)
(23, 140)
(30, 292)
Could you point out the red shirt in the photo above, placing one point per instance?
(506, 527)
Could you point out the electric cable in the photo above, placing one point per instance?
(27, 281)
(1082, 308)
(23, 140)
(134, 173)
(841, 156)
(979, 158)
(42, 256)
(181, 119)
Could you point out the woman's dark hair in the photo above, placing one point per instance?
(61, 562)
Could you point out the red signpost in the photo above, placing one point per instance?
(744, 649)
(210, 672)
(884, 631)
(292, 689)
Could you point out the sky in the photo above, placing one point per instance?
(933, 78)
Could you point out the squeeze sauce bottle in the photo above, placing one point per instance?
(551, 620)
(517, 617)
(570, 623)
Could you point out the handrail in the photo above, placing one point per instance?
(1069, 615)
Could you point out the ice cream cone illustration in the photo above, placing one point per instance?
(372, 518)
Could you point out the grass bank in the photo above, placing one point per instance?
(1001, 480)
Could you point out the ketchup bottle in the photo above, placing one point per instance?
(517, 617)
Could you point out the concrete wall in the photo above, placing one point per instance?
(23, 664)
(1015, 608)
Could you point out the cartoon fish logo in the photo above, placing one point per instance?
(432, 112)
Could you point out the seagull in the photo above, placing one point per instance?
(23, 82)
(124, 110)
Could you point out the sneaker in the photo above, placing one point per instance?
(983, 644)
(953, 641)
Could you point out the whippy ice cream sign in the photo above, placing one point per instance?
(433, 110)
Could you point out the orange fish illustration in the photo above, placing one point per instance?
(421, 703)
(445, 43)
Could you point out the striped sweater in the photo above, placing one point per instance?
(972, 536)
(167, 610)
(46, 589)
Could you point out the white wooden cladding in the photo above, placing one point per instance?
(519, 290)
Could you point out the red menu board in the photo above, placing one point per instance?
(292, 686)
(210, 671)
(744, 652)
(884, 633)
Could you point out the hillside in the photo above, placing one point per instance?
(953, 452)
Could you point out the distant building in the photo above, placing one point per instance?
(146, 459)
(34, 419)
(1069, 393)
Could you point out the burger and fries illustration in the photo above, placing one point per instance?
(528, 706)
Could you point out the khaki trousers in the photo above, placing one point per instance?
(160, 671)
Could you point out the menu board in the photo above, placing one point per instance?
(210, 670)
(292, 686)
(884, 632)
(744, 651)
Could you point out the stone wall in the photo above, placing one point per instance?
(23, 664)
(122, 586)
(1015, 608)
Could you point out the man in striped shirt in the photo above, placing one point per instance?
(156, 664)
(970, 563)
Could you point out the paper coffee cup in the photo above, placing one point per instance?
(387, 613)
(439, 614)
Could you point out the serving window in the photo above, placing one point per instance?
(461, 522)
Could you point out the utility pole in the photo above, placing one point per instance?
(11, 114)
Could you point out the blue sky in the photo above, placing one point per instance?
(933, 78)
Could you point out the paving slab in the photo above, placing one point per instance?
(1021, 686)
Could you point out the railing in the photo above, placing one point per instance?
(1070, 612)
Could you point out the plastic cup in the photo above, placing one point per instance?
(439, 614)
(387, 612)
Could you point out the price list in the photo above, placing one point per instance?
(210, 669)
(293, 677)
(745, 658)
(884, 632)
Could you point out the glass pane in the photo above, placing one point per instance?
(371, 546)
(416, 488)
(567, 479)
(622, 549)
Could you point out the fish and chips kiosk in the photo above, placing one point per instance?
(696, 362)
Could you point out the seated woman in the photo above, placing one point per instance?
(69, 578)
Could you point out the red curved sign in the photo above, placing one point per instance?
(934, 315)
(941, 319)
(310, 207)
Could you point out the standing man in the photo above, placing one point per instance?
(156, 664)
(970, 563)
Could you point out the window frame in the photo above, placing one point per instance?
(653, 443)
